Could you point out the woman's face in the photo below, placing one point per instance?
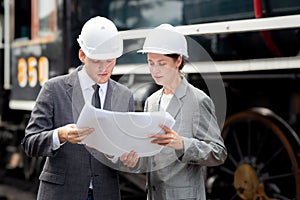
(163, 69)
(99, 70)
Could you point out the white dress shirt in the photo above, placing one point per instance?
(164, 101)
(86, 84)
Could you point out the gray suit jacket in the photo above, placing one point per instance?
(196, 122)
(67, 171)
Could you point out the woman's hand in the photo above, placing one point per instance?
(130, 159)
(169, 139)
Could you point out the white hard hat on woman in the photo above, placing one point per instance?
(165, 39)
(100, 40)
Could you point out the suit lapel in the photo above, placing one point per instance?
(176, 102)
(75, 93)
(174, 106)
(109, 93)
(77, 100)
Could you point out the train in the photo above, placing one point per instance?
(244, 54)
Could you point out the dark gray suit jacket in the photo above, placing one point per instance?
(67, 171)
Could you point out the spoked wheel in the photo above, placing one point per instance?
(260, 140)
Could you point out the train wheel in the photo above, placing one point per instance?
(260, 139)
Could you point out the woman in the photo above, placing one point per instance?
(194, 142)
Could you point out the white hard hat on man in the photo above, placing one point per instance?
(100, 39)
(165, 39)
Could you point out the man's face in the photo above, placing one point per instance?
(99, 70)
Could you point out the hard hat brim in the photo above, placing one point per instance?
(107, 56)
(158, 51)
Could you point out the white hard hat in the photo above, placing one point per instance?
(165, 39)
(100, 40)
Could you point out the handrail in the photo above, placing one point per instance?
(246, 25)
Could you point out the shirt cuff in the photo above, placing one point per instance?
(55, 139)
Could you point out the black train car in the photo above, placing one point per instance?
(244, 54)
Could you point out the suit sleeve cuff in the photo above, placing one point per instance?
(113, 159)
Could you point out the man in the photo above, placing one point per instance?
(70, 172)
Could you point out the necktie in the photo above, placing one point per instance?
(96, 99)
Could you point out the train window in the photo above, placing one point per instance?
(43, 18)
(134, 14)
(84, 10)
(22, 21)
(34, 20)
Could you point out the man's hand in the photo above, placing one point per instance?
(70, 133)
(129, 159)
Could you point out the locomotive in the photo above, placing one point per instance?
(244, 54)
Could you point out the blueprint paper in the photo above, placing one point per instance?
(120, 132)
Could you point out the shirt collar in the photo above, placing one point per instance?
(104, 87)
(87, 82)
